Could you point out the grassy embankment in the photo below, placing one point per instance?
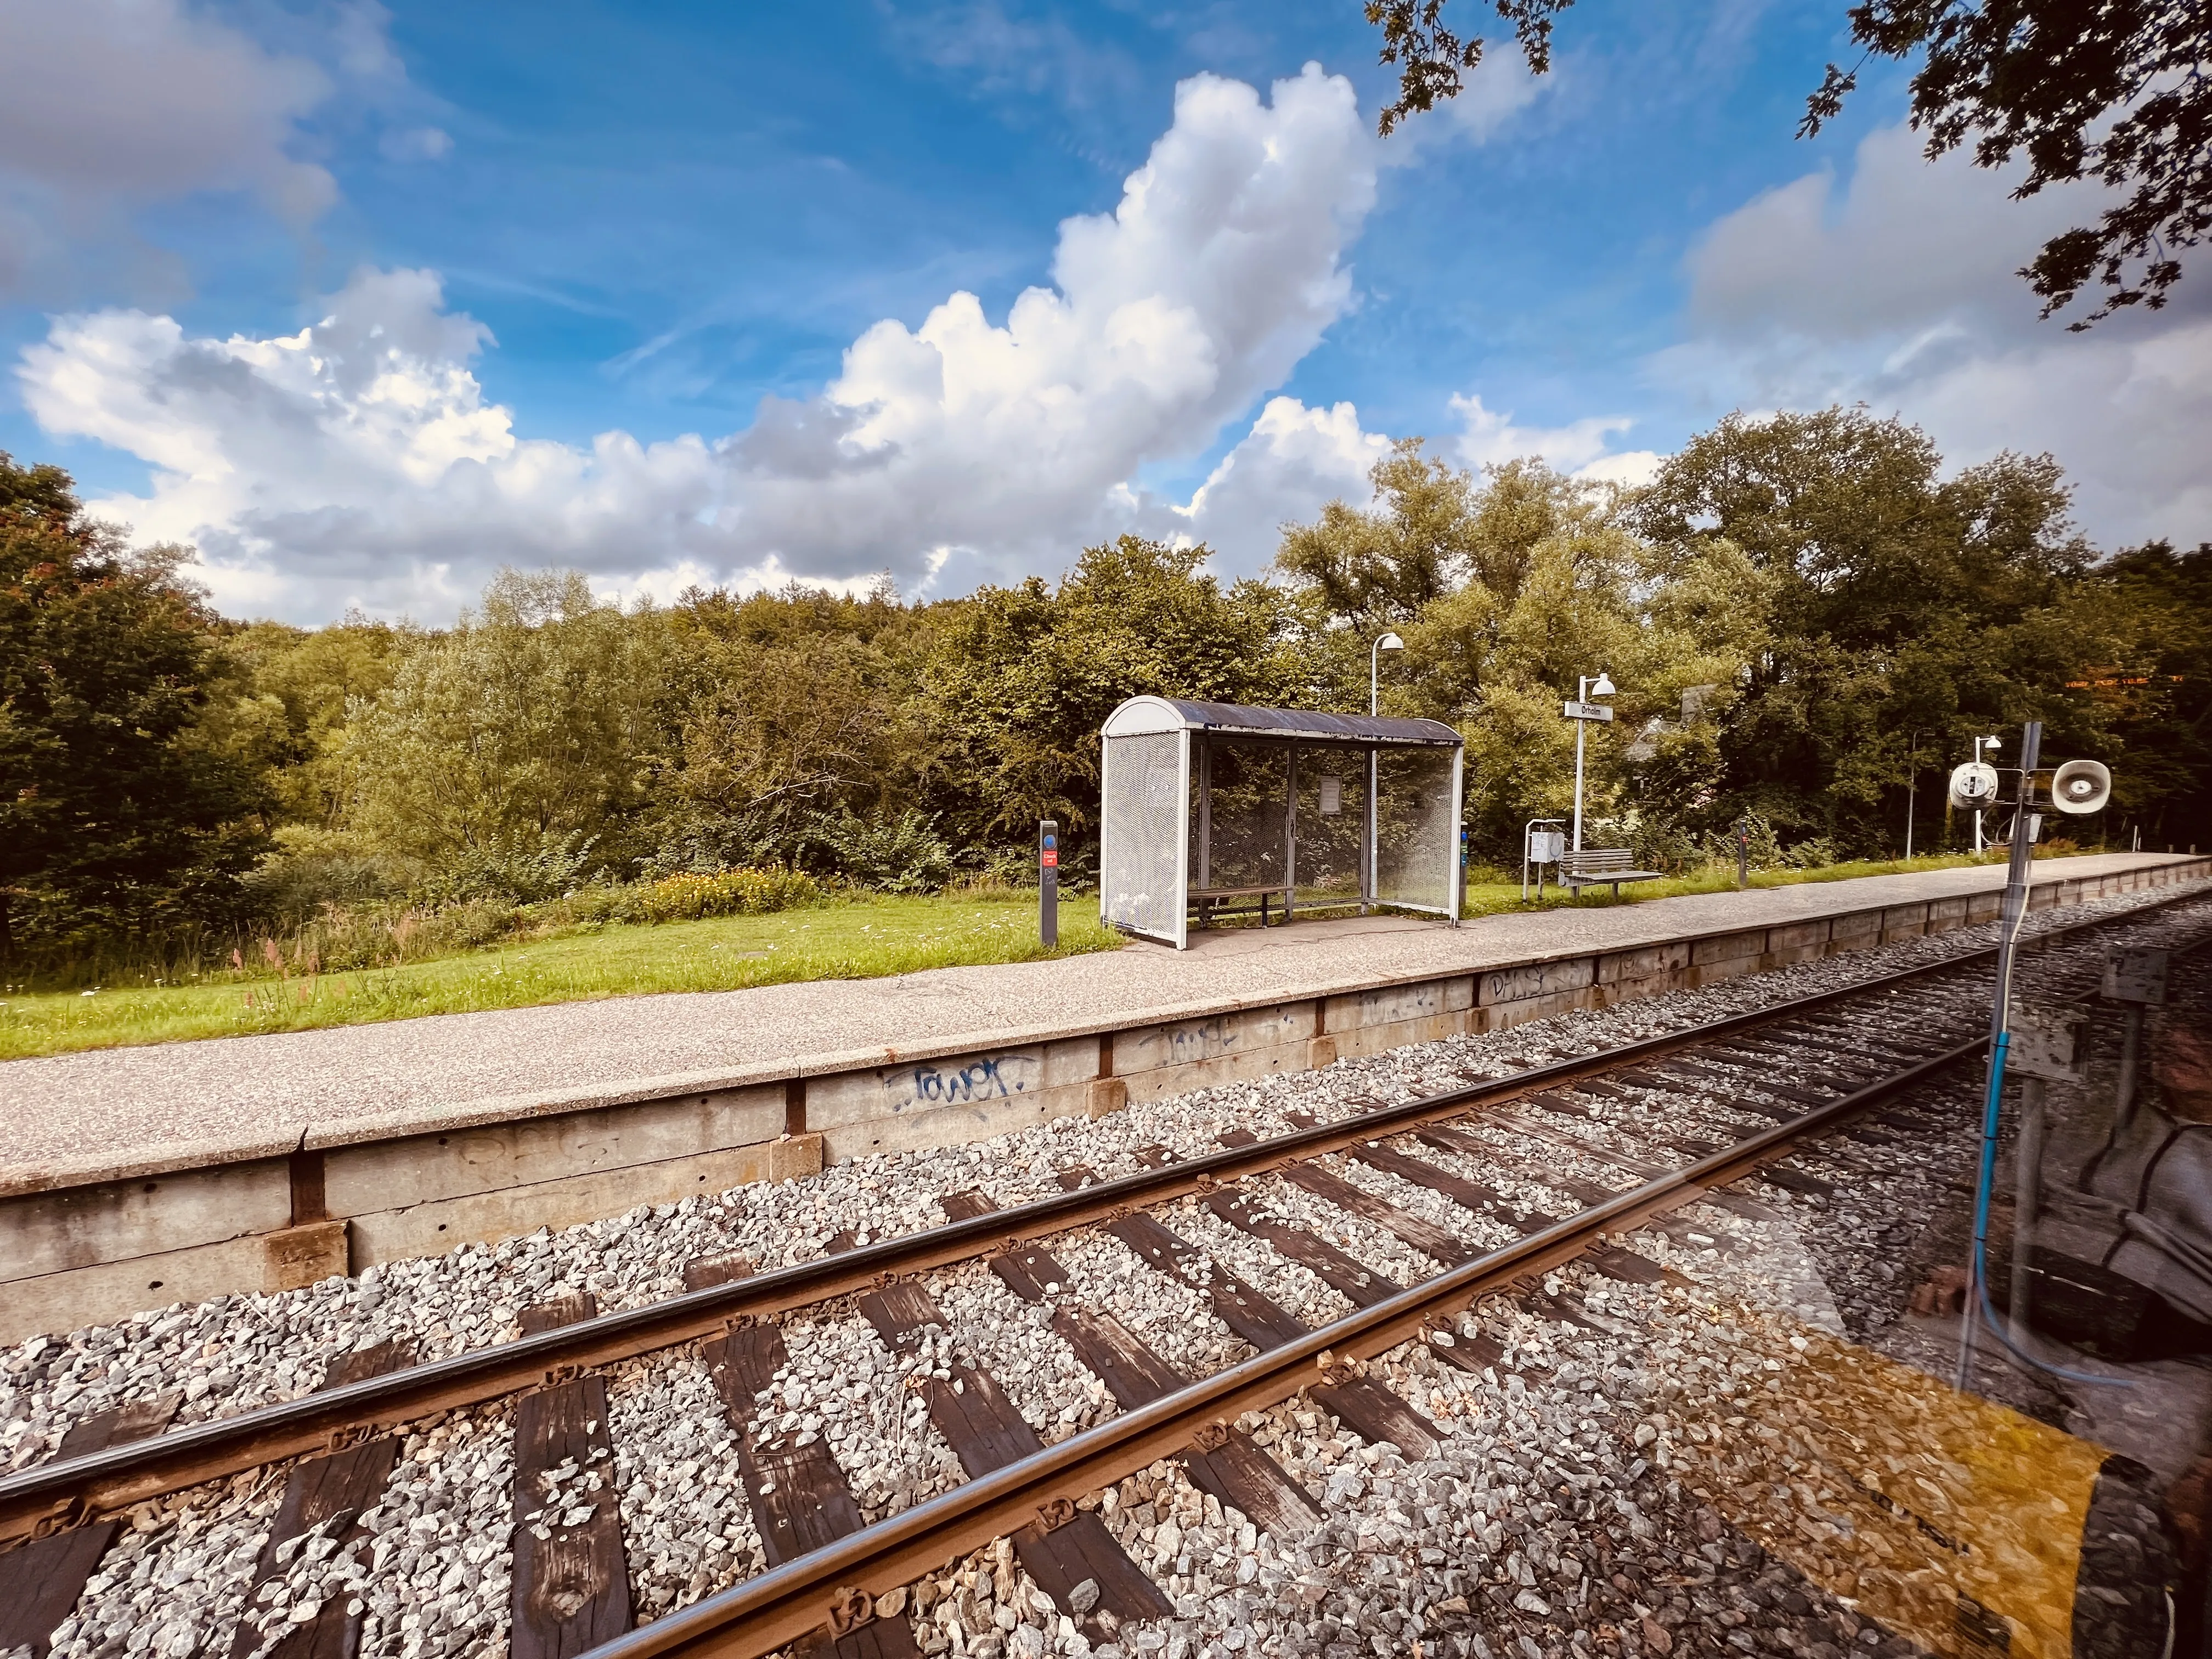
(852, 938)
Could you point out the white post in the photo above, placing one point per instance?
(1977, 811)
(1182, 841)
(1459, 805)
(1582, 729)
(1911, 781)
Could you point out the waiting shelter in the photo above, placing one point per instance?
(1211, 809)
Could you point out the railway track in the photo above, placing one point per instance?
(1473, 1192)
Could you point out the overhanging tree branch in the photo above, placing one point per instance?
(2111, 90)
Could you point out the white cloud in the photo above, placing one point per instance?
(1580, 448)
(1499, 89)
(1900, 290)
(359, 461)
(113, 104)
(1293, 463)
(415, 144)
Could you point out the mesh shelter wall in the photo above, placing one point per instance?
(1142, 836)
(1244, 802)
(1416, 840)
(1332, 777)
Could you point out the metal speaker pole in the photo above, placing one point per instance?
(2024, 823)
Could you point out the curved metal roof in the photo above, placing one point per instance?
(1139, 715)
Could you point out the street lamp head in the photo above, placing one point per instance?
(1604, 688)
(1389, 642)
(1991, 742)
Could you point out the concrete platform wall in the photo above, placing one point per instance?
(76, 1255)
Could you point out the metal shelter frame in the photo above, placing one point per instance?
(1205, 803)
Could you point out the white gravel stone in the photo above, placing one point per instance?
(686, 1525)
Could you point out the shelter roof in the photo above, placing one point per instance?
(1143, 715)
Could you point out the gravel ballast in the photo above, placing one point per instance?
(1551, 1524)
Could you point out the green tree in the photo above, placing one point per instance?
(1373, 567)
(294, 688)
(783, 721)
(111, 818)
(502, 751)
(1560, 586)
(1019, 681)
(1898, 601)
(2151, 692)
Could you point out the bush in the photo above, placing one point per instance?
(901, 854)
(1818, 854)
(732, 893)
(518, 869)
(313, 870)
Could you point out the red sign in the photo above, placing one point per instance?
(1051, 858)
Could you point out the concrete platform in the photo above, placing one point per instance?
(181, 1169)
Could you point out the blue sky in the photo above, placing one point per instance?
(660, 215)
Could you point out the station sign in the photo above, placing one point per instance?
(2135, 977)
(1587, 711)
(2047, 1042)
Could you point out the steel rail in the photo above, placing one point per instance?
(785, 1603)
(62, 1493)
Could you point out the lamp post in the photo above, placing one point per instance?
(1585, 688)
(1911, 782)
(1386, 642)
(1990, 742)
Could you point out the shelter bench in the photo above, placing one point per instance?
(1204, 900)
(1600, 866)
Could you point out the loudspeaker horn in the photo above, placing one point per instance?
(1973, 783)
(2080, 787)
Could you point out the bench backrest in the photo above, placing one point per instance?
(1596, 861)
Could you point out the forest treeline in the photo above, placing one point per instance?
(1789, 609)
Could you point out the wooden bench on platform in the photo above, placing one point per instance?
(1204, 901)
(1600, 867)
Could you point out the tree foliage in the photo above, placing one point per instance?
(2117, 92)
(1796, 611)
(1896, 600)
(500, 748)
(113, 817)
(1016, 686)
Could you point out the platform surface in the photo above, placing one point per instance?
(121, 1113)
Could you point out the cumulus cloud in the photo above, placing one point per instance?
(1898, 291)
(359, 461)
(1293, 462)
(1583, 447)
(113, 104)
(355, 461)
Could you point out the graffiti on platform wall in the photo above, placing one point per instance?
(967, 1080)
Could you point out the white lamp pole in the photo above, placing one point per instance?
(1386, 642)
(1603, 687)
(1981, 744)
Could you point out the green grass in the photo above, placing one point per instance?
(856, 939)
